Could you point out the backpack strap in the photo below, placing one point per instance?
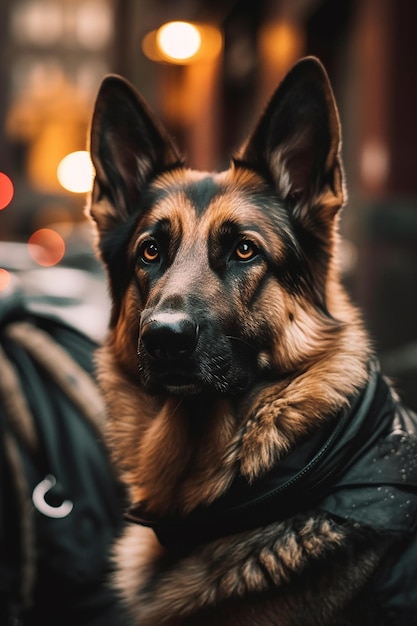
(68, 375)
(20, 428)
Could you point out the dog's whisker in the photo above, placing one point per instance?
(240, 340)
(177, 407)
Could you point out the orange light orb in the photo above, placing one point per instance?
(5, 279)
(46, 247)
(6, 190)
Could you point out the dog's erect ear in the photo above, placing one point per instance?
(128, 146)
(297, 140)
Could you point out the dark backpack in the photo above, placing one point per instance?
(60, 503)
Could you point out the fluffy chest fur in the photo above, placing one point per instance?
(297, 572)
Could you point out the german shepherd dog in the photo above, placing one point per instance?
(263, 452)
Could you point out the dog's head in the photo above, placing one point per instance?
(219, 280)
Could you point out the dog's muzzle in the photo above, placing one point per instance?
(181, 357)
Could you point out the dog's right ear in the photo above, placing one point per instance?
(128, 147)
(297, 142)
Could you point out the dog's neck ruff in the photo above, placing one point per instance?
(321, 473)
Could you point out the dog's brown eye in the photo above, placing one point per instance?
(245, 250)
(150, 252)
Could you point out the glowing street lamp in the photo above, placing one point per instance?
(183, 43)
(178, 41)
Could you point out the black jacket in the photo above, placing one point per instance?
(361, 467)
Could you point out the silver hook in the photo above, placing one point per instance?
(38, 499)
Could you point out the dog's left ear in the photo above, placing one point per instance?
(296, 143)
(128, 146)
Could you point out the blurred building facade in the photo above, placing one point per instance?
(54, 54)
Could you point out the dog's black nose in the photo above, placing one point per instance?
(169, 336)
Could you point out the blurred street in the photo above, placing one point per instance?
(208, 78)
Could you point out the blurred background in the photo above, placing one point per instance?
(208, 77)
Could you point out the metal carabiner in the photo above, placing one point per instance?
(38, 499)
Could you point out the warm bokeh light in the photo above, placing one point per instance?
(5, 279)
(46, 247)
(75, 172)
(200, 43)
(178, 40)
(6, 190)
